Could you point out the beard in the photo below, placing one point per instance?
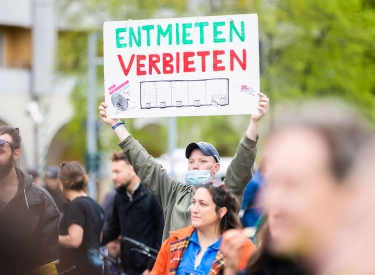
(7, 167)
(122, 188)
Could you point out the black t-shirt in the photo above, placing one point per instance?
(86, 259)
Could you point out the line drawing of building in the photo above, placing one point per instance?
(184, 93)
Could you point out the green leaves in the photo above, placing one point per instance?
(310, 49)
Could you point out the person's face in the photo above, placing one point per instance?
(122, 173)
(203, 211)
(7, 157)
(199, 161)
(301, 192)
(114, 249)
(51, 183)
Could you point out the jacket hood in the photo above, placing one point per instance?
(31, 195)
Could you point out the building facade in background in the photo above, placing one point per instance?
(32, 96)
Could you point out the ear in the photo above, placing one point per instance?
(131, 169)
(216, 168)
(222, 212)
(16, 154)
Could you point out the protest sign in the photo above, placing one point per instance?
(193, 66)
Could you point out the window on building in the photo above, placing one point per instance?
(2, 50)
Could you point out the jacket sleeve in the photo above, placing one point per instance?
(112, 229)
(161, 266)
(48, 227)
(151, 173)
(249, 194)
(240, 170)
(248, 251)
(158, 227)
(107, 207)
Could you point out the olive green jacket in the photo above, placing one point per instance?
(176, 197)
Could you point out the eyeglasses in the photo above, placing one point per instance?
(218, 183)
(3, 142)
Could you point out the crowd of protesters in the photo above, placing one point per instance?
(311, 204)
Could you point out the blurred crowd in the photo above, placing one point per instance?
(307, 209)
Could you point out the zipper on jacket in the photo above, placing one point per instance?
(27, 203)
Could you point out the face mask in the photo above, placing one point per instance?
(197, 177)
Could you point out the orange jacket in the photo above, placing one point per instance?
(163, 261)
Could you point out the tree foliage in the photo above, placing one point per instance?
(309, 49)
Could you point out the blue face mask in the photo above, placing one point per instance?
(197, 177)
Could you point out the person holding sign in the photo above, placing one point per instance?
(203, 163)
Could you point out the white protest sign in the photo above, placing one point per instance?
(195, 66)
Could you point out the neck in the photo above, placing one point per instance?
(133, 184)
(208, 236)
(10, 180)
(72, 194)
(8, 186)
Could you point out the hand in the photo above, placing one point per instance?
(103, 114)
(263, 106)
(232, 246)
(146, 272)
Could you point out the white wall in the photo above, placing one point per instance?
(16, 13)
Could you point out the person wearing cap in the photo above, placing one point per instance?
(51, 184)
(203, 163)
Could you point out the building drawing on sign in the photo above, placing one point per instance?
(184, 93)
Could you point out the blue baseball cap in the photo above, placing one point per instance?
(206, 148)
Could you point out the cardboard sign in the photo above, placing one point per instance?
(195, 66)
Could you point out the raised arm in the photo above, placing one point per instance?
(240, 170)
(151, 173)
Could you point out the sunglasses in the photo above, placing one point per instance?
(3, 142)
(218, 183)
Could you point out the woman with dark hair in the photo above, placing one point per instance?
(195, 249)
(80, 226)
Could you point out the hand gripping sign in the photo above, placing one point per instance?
(193, 66)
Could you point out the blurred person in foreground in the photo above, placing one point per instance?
(81, 225)
(203, 163)
(51, 184)
(28, 215)
(310, 152)
(136, 214)
(196, 249)
(358, 223)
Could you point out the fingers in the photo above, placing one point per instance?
(262, 110)
(261, 95)
(234, 238)
(103, 110)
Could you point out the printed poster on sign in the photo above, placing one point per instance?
(195, 66)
